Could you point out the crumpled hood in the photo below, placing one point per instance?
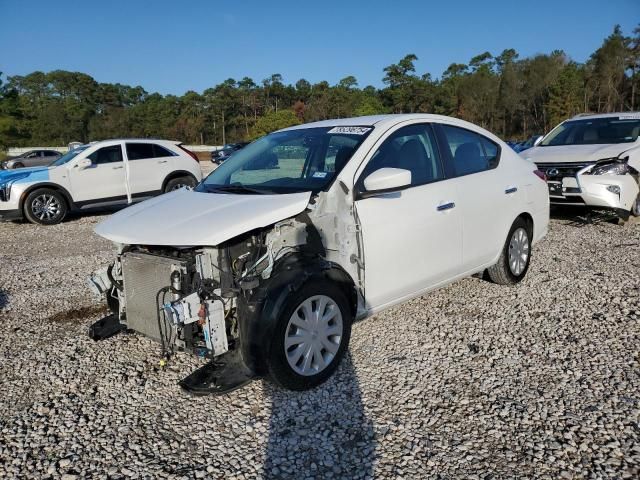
(187, 218)
(574, 153)
(21, 173)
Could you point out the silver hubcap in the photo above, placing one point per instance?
(182, 185)
(313, 335)
(45, 207)
(518, 251)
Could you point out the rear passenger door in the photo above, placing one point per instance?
(148, 164)
(484, 192)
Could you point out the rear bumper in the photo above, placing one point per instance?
(6, 215)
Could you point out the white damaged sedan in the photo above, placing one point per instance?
(264, 267)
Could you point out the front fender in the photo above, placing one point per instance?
(260, 308)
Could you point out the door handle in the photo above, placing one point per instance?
(511, 190)
(117, 168)
(446, 206)
(163, 161)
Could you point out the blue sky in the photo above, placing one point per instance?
(172, 47)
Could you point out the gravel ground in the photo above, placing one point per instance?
(473, 381)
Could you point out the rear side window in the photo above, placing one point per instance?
(139, 151)
(469, 152)
(112, 154)
(159, 151)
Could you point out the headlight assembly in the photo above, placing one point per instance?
(5, 186)
(610, 166)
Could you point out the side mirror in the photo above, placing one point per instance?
(538, 140)
(386, 179)
(84, 163)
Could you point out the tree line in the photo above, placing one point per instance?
(511, 96)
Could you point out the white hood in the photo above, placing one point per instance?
(187, 218)
(574, 153)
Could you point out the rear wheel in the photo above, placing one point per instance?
(311, 337)
(45, 207)
(180, 182)
(514, 260)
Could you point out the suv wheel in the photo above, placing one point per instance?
(45, 207)
(180, 182)
(311, 336)
(514, 261)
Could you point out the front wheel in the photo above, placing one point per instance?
(514, 260)
(45, 207)
(311, 336)
(180, 182)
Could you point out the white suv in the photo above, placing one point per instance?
(593, 160)
(111, 172)
(266, 264)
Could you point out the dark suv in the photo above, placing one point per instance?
(219, 156)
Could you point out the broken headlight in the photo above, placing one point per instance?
(610, 166)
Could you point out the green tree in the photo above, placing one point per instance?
(273, 121)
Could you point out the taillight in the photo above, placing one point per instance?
(190, 153)
(541, 175)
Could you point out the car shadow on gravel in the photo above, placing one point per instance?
(321, 433)
(4, 299)
(577, 216)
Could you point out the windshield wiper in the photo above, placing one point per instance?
(237, 188)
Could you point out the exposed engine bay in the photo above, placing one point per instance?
(195, 299)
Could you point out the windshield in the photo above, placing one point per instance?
(299, 160)
(68, 156)
(594, 131)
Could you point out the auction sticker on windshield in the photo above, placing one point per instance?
(350, 130)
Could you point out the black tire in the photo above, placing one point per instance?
(502, 272)
(635, 208)
(180, 182)
(33, 207)
(279, 369)
(18, 165)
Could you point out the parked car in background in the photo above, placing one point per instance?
(267, 263)
(593, 160)
(220, 155)
(106, 173)
(527, 144)
(32, 158)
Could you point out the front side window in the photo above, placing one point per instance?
(469, 152)
(411, 148)
(594, 131)
(32, 155)
(298, 160)
(112, 154)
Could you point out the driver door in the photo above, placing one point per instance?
(412, 237)
(104, 181)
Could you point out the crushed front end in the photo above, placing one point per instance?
(186, 299)
(609, 183)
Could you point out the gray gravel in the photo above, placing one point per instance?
(472, 381)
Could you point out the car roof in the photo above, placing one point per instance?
(389, 120)
(585, 116)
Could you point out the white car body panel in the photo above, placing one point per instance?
(188, 218)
